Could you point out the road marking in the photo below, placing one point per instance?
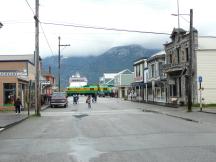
(91, 113)
(1, 129)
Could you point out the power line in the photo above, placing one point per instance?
(103, 28)
(46, 39)
(41, 28)
(30, 7)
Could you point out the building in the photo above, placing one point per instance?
(206, 58)
(156, 79)
(176, 67)
(138, 83)
(122, 83)
(16, 74)
(47, 82)
(107, 79)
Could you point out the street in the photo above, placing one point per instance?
(113, 130)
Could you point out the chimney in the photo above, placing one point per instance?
(49, 69)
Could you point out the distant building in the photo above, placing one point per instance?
(138, 83)
(47, 83)
(107, 79)
(156, 79)
(122, 83)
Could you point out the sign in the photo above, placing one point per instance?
(45, 82)
(13, 73)
(200, 79)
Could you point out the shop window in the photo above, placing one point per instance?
(9, 93)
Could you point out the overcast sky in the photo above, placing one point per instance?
(17, 34)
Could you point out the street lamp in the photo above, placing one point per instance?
(59, 58)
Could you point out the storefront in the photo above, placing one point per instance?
(16, 72)
(13, 87)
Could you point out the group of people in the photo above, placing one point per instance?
(90, 99)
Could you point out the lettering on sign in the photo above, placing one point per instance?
(13, 73)
(45, 82)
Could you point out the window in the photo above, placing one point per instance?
(138, 70)
(9, 93)
(178, 57)
(187, 54)
(170, 58)
(153, 70)
(180, 92)
(160, 68)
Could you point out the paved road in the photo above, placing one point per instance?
(112, 131)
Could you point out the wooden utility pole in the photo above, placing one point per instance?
(59, 62)
(37, 82)
(190, 78)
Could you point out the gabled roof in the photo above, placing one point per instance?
(7, 58)
(126, 71)
(157, 55)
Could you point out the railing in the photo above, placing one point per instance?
(174, 66)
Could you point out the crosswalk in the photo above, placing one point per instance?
(92, 112)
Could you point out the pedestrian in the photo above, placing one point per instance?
(88, 101)
(17, 105)
(74, 99)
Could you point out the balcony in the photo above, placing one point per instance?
(168, 68)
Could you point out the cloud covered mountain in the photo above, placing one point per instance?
(113, 60)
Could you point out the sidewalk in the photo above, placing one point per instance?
(208, 115)
(8, 119)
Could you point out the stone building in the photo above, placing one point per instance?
(177, 61)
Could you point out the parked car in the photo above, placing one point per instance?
(59, 99)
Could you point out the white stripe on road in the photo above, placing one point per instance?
(1, 129)
(90, 112)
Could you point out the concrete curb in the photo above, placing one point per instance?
(175, 116)
(208, 112)
(12, 124)
(45, 107)
(19, 121)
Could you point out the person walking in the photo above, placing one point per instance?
(17, 105)
(88, 101)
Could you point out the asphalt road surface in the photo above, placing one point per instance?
(112, 131)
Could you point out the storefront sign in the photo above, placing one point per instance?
(13, 73)
(45, 82)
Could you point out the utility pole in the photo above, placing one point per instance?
(37, 84)
(190, 61)
(59, 62)
(178, 13)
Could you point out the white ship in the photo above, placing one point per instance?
(77, 81)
